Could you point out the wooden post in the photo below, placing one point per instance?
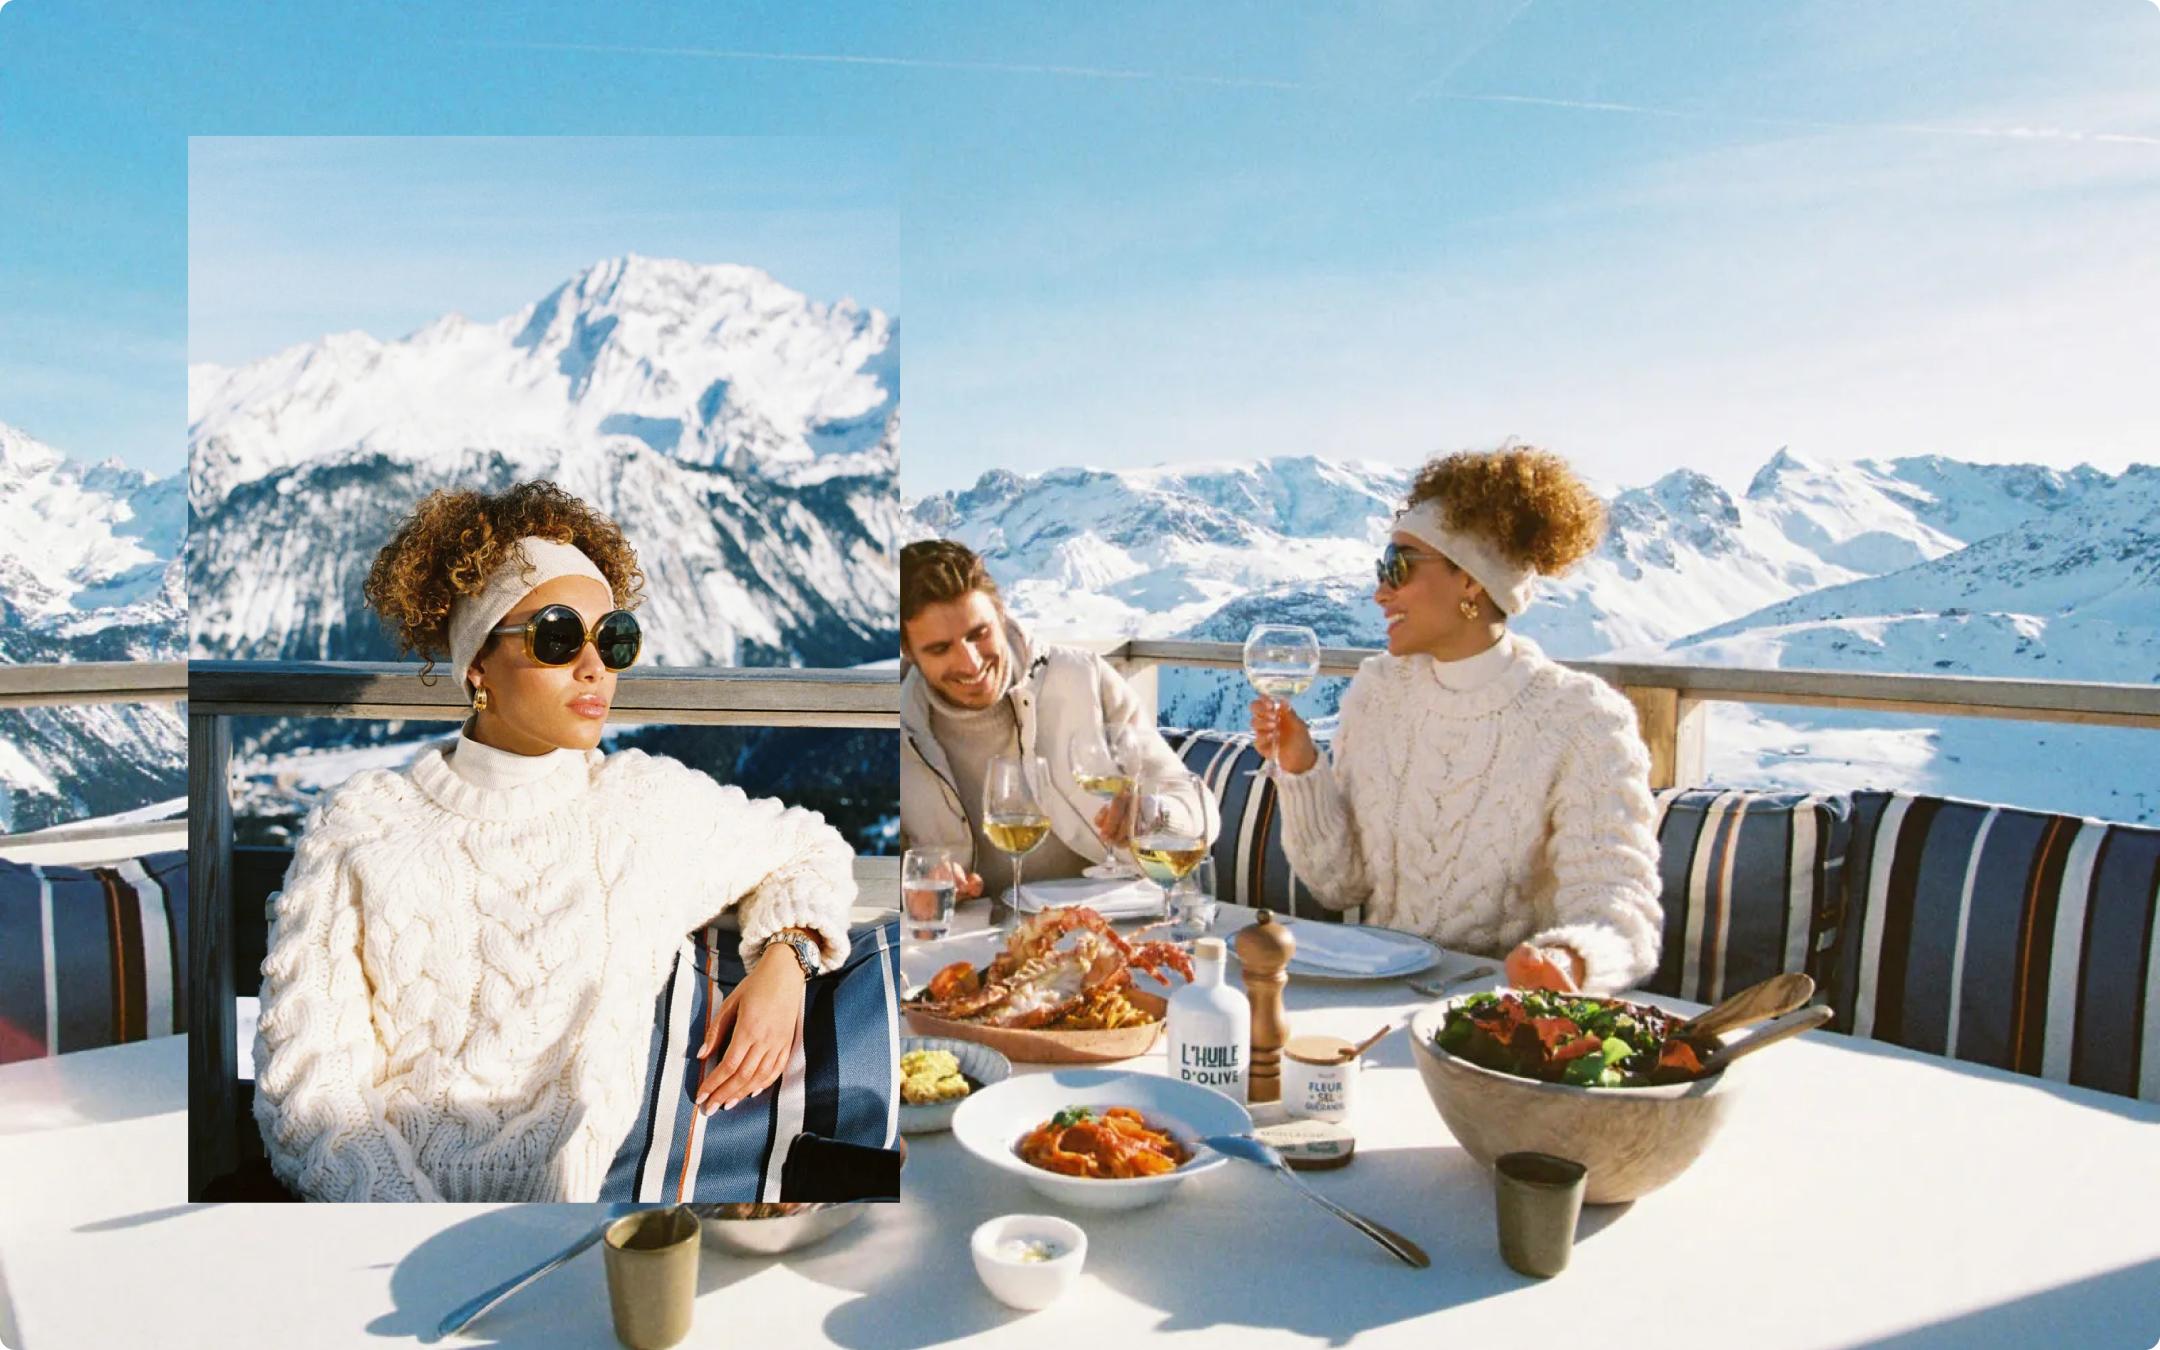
(213, 1078)
(1672, 728)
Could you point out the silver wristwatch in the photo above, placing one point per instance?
(807, 953)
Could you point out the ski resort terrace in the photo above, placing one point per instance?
(1672, 701)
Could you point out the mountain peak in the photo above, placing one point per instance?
(1785, 461)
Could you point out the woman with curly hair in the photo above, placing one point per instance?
(457, 999)
(1480, 794)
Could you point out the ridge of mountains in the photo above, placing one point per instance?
(1921, 564)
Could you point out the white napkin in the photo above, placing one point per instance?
(1111, 897)
(1354, 951)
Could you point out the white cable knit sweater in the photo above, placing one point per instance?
(1483, 803)
(458, 994)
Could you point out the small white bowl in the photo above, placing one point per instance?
(1028, 1285)
(979, 1064)
(991, 1123)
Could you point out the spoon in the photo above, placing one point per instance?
(465, 1314)
(1774, 997)
(1249, 1149)
(1791, 1024)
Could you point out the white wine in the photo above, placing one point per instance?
(1281, 686)
(1108, 786)
(1166, 858)
(1014, 833)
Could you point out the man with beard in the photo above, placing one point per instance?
(973, 688)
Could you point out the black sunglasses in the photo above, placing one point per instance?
(1393, 569)
(555, 636)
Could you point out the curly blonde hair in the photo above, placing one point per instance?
(454, 540)
(1525, 501)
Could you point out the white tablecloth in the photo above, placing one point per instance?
(1862, 1195)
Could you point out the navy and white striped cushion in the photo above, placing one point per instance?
(91, 957)
(1752, 887)
(842, 1085)
(2007, 937)
(1250, 866)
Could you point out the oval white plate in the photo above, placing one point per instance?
(1356, 951)
(991, 1123)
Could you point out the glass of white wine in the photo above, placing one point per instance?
(1169, 828)
(1013, 816)
(1102, 767)
(1281, 661)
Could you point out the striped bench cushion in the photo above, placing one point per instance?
(91, 956)
(2007, 937)
(1752, 886)
(1250, 867)
(842, 1087)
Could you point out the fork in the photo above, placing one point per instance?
(1435, 988)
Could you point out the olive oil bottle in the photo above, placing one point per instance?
(1209, 1026)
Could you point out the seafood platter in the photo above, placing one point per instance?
(1061, 990)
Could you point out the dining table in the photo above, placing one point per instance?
(1860, 1194)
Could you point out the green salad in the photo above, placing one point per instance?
(1567, 1038)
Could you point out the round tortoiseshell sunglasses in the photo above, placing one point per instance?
(555, 636)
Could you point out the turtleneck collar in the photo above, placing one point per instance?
(1475, 672)
(480, 781)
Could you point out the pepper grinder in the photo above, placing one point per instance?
(1264, 949)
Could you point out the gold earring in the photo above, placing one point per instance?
(1467, 606)
(479, 700)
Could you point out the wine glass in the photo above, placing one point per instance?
(1102, 767)
(1281, 662)
(1013, 816)
(929, 883)
(1192, 904)
(1169, 827)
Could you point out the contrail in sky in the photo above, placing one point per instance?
(1430, 92)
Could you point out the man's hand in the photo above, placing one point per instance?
(766, 1011)
(966, 885)
(1114, 821)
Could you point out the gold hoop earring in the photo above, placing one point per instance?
(479, 700)
(1468, 607)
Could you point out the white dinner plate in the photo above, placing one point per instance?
(1355, 951)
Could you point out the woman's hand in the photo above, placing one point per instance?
(1281, 735)
(1555, 968)
(765, 1010)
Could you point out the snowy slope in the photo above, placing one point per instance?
(90, 570)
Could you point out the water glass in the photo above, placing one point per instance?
(929, 883)
(1192, 903)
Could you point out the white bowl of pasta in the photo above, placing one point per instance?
(1098, 1138)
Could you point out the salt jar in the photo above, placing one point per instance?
(1319, 1078)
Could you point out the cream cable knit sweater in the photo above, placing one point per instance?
(457, 1000)
(1512, 806)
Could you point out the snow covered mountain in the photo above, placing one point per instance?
(708, 365)
(744, 437)
(91, 569)
(1916, 564)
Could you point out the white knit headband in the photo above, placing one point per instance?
(472, 617)
(1510, 586)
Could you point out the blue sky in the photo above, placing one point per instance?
(292, 237)
(1649, 235)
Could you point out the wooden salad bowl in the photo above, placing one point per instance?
(1056, 1047)
(1633, 1139)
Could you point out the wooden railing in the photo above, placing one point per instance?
(75, 683)
(1671, 701)
(218, 691)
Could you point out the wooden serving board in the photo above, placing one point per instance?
(1056, 1047)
